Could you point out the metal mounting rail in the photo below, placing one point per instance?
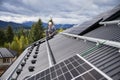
(110, 22)
(50, 54)
(97, 40)
(23, 55)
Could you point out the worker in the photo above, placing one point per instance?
(51, 31)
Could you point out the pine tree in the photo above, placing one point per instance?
(21, 31)
(37, 31)
(2, 38)
(9, 34)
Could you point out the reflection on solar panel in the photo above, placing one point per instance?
(74, 68)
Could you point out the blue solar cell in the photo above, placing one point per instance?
(53, 75)
(81, 69)
(79, 78)
(64, 69)
(74, 72)
(68, 76)
(88, 77)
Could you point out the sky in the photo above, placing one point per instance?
(62, 11)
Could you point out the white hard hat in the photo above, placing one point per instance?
(50, 23)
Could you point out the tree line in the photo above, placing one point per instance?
(19, 39)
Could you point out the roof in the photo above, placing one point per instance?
(105, 58)
(5, 53)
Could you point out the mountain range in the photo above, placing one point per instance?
(4, 24)
(28, 24)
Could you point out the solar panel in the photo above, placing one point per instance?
(74, 68)
(82, 27)
(111, 12)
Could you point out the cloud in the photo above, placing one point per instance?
(62, 11)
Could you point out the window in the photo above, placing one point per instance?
(6, 60)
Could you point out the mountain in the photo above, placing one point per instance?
(4, 24)
(29, 23)
(64, 26)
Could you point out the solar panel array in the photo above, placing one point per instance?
(84, 26)
(73, 68)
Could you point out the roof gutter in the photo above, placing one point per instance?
(97, 40)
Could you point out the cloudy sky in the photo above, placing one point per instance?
(62, 11)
